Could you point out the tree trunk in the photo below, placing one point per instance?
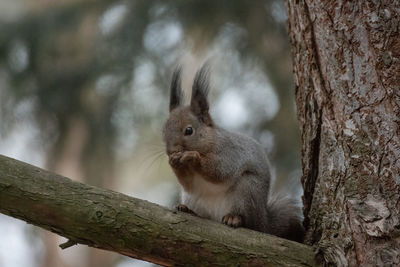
(112, 221)
(346, 57)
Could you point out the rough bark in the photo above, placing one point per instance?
(346, 57)
(112, 221)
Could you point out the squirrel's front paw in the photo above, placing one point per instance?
(232, 220)
(190, 157)
(174, 159)
(183, 159)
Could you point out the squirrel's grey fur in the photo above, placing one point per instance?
(225, 176)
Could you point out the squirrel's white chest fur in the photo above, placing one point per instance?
(206, 199)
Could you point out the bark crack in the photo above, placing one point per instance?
(313, 175)
(315, 143)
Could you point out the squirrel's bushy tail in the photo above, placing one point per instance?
(285, 218)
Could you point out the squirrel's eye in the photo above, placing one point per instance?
(189, 131)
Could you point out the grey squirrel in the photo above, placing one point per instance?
(225, 176)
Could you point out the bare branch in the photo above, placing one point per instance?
(112, 221)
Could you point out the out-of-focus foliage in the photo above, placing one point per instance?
(85, 84)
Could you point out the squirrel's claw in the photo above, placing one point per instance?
(184, 208)
(189, 157)
(174, 159)
(184, 159)
(232, 220)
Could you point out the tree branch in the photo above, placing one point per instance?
(112, 221)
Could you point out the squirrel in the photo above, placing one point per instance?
(225, 176)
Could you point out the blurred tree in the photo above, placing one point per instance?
(96, 75)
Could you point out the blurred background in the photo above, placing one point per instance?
(84, 91)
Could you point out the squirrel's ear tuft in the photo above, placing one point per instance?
(199, 103)
(176, 95)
